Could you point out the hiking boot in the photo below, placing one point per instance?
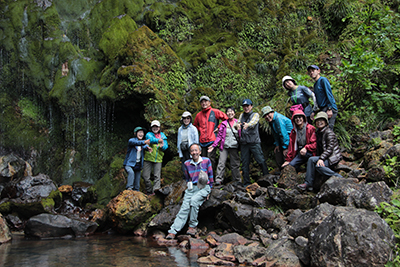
(170, 236)
(305, 187)
(191, 231)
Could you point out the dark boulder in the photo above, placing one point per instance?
(5, 234)
(238, 216)
(164, 219)
(351, 237)
(289, 178)
(49, 225)
(309, 220)
(29, 196)
(348, 192)
(12, 166)
(83, 193)
(290, 199)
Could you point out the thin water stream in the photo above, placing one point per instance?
(98, 250)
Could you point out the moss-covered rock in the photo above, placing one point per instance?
(112, 183)
(115, 37)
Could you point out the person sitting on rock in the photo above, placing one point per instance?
(303, 141)
(198, 188)
(328, 153)
(133, 162)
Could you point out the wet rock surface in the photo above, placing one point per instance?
(49, 225)
(5, 234)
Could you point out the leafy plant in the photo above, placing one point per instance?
(396, 133)
(390, 212)
(392, 168)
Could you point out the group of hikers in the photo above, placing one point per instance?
(296, 142)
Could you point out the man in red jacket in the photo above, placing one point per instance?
(207, 122)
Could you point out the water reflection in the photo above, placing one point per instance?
(99, 250)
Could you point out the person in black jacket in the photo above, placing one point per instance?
(328, 152)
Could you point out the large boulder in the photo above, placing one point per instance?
(309, 220)
(290, 198)
(165, 218)
(129, 209)
(12, 166)
(83, 193)
(351, 237)
(5, 234)
(29, 196)
(238, 216)
(349, 192)
(49, 225)
(289, 178)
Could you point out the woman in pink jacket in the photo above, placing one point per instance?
(228, 141)
(303, 141)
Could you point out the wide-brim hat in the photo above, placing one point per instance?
(322, 115)
(266, 110)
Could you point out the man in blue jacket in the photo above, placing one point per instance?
(281, 128)
(323, 94)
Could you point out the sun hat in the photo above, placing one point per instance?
(266, 110)
(322, 115)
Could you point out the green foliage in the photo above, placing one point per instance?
(392, 169)
(31, 111)
(232, 79)
(396, 133)
(368, 67)
(390, 212)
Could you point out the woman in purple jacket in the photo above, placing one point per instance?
(228, 141)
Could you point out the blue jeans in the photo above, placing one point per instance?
(133, 178)
(256, 150)
(299, 160)
(190, 208)
(311, 168)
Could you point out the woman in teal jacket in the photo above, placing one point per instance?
(281, 128)
(153, 160)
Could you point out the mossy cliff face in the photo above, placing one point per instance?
(76, 79)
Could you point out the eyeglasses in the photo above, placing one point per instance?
(298, 118)
(186, 118)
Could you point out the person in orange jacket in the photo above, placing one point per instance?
(207, 122)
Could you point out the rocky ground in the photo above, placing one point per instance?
(269, 223)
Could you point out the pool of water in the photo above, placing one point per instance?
(97, 250)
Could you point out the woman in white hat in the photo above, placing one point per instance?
(187, 135)
(299, 96)
(153, 160)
